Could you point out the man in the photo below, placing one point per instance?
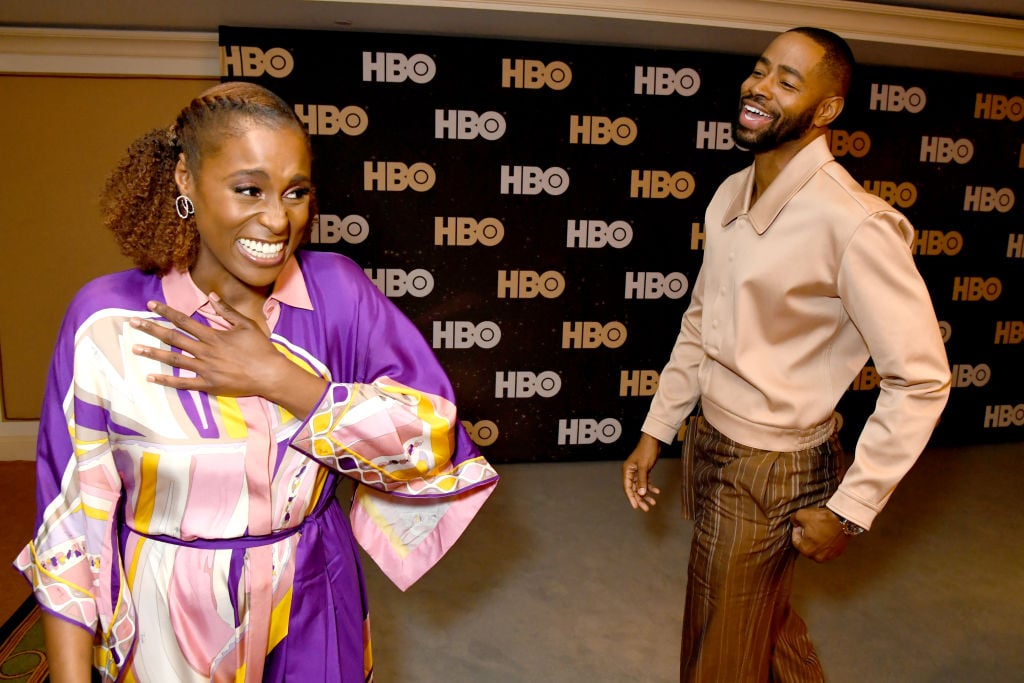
(805, 276)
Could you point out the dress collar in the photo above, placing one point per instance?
(181, 291)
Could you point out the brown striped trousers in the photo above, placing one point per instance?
(738, 626)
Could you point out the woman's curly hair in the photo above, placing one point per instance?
(138, 201)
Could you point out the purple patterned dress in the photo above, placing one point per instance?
(199, 536)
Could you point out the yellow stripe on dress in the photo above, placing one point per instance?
(279, 621)
(232, 418)
(318, 489)
(146, 501)
(441, 436)
(367, 648)
(301, 362)
(134, 564)
(82, 445)
(103, 659)
(96, 513)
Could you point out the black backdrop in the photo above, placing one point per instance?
(537, 210)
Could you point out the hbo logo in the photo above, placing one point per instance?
(903, 195)
(659, 80)
(660, 184)
(533, 75)
(895, 98)
(524, 384)
(946, 331)
(395, 282)
(600, 130)
(715, 135)
(462, 334)
(651, 285)
(943, 150)
(590, 335)
(1009, 332)
(998, 107)
(483, 433)
(580, 432)
(596, 234)
(971, 375)
(461, 231)
(638, 382)
(329, 229)
(526, 284)
(531, 180)
(326, 119)
(252, 61)
(935, 242)
(985, 199)
(394, 176)
(461, 124)
(1004, 416)
(855, 144)
(394, 67)
(697, 236)
(867, 379)
(976, 288)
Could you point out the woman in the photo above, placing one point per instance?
(200, 411)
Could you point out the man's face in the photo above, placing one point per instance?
(779, 99)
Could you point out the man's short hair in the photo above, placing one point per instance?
(838, 59)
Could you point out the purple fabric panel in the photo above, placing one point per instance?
(210, 431)
(53, 446)
(235, 570)
(113, 427)
(325, 627)
(363, 335)
(89, 415)
(282, 449)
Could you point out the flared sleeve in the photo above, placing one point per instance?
(73, 561)
(414, 498)
(394, 429)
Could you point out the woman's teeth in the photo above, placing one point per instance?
(261, 249)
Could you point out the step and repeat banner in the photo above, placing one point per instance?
(537, 210)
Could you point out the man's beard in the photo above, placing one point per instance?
(772, 136)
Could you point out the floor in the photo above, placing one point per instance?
(559, 581)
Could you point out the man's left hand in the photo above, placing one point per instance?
(817, 534)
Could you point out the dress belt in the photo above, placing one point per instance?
(238, 542)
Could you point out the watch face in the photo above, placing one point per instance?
(851, 529)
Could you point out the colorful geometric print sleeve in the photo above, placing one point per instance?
(400, 441)
(73, 562)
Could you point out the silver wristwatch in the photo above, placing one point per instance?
(849, 528)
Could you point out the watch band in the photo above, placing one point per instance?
(849, 528)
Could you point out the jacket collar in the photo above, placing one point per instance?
(800, 169)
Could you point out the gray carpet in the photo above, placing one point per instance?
(559, 581)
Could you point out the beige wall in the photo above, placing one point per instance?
(59, 137)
